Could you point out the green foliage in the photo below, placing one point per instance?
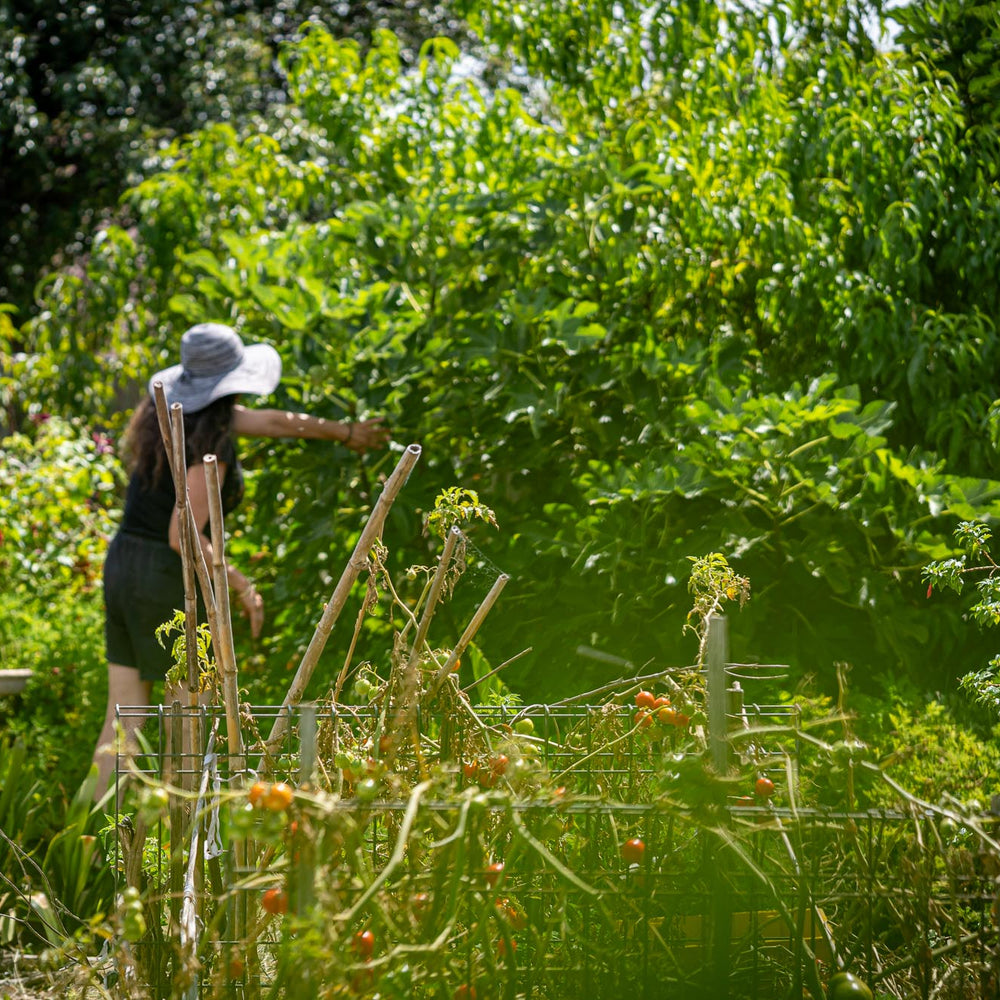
(177, 674)
(456, 507)
(54, 883)
(741, 303)
(58, 505)
(976, 560)
(937, 755)
(92, 93)
(935, 749)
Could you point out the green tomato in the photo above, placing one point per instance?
(524, 726)
(366, 790)
(134, 925)
(847, 986)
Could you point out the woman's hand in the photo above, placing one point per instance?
(252, 607)
(366, 434)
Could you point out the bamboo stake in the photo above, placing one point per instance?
(222, 641)
(436, 587)
(470, 631)
(201, 567)
(226, 650)
(338, 599)
(187, 540)
(411, 671)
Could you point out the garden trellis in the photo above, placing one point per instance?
(420, 845)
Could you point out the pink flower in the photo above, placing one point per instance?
(102, 442)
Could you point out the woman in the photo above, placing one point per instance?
(143, 582)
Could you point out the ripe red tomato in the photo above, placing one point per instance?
(278, 797)
(681, 720)
(465, 992)
(275, 901)
(236, 967)
(499, 764)
(661, 701)
(632, 851)
(493, 873)
(364, 944)
(470, 769)
(764, 787)
(645, 699)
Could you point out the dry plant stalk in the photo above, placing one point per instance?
(410, 681)
(469, 634)
(371, 531)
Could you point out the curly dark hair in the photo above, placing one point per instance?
(205, 433)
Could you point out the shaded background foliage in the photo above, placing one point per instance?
(655, 281)
(91, 91)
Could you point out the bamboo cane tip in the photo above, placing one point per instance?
(208, 459)
(413, 449)
(177, 406)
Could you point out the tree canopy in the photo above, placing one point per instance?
(653, 281)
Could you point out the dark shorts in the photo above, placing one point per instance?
(143, 585)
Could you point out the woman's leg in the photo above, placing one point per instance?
(125, 687)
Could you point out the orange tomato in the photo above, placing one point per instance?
(278, 797)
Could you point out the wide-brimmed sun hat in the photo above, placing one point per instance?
(216, 363)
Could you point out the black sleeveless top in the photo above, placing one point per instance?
(148, 507)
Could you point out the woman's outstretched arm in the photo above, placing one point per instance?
(360, 436)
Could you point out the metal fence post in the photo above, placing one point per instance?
(717, 653)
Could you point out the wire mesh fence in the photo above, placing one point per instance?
(545, 851)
